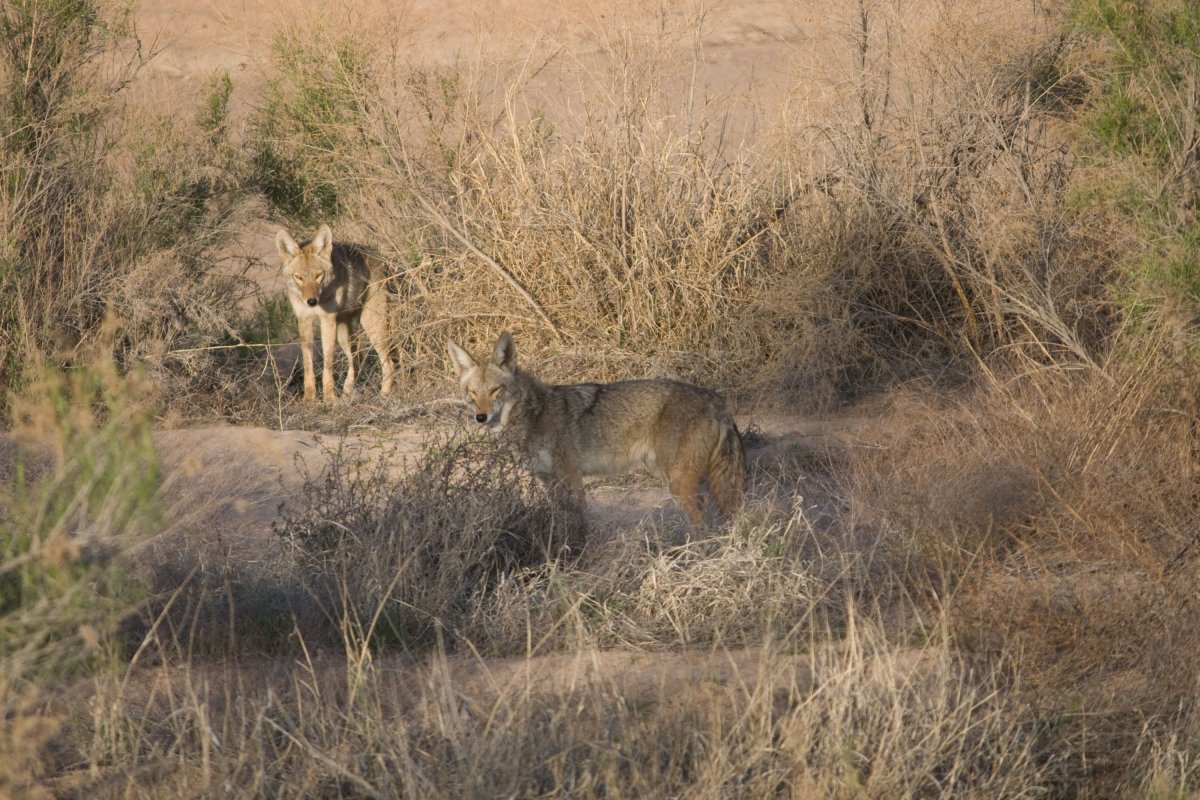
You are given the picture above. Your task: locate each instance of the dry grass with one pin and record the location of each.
(861, 716)
(1054, 521)
(806, 689)
(110, 211)
(406, 558)
(623, 238)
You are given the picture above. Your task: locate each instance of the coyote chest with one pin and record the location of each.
(540, 461)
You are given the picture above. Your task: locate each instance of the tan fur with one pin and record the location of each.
(676, 430)
(336, 285)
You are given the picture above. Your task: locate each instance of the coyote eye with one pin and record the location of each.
(318, 277)
(496, 392)
(299, 278)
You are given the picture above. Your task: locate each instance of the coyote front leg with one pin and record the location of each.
(306, 355)
(328, 343)
(346, 341)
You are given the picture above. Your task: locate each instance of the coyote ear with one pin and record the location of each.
(505, 354)
(286, 244)
(460, 358)
(322, 243)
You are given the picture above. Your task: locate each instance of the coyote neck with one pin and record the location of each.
(522, 421)
(531, 396)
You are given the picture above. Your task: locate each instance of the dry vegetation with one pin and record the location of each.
(992, 236)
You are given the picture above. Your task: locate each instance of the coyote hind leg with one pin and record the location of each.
(684, 485)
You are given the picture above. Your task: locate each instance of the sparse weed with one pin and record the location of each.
(406, 549)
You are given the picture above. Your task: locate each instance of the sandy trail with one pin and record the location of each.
(730, 45)
(224, 484)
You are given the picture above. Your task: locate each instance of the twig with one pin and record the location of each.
(466, 242)
(428, 404)
(370, 790)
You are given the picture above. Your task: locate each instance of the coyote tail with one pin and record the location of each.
(727, 470)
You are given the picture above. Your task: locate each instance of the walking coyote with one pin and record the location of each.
(336, 284)
(678, 431)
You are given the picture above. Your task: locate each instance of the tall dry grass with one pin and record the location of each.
(111, 209)
(760, 661)
(913, 229)
(405, 551)
(1053, 520)
(862, 716)
(455, 660)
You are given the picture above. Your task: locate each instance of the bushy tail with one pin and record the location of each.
(727, 470)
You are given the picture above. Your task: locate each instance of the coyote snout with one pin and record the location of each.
(679, 431)
(309, 282)
(338, 285)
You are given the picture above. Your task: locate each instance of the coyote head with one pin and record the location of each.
(309, 266)
(486, 388)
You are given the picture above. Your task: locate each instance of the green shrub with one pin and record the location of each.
(109, 207)
(310, 123)
(1140, 130)
(84, 493)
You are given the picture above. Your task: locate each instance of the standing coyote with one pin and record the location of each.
(336, 284)
(678, 431)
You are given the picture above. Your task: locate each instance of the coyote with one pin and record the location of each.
(681, 432)
(336, 284)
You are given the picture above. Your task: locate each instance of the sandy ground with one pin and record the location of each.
(736, 43)
(224, 484)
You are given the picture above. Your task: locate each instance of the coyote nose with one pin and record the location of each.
(481, 418)
(312, 301)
